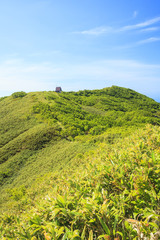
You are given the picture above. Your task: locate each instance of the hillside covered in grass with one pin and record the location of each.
(77, 165)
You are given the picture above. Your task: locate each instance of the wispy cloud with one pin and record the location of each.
(141, 25)
(149, 40)
(138, 43)
(96, 31)
(45, 53)
(135, 13)
(18, 75)
(150, 29)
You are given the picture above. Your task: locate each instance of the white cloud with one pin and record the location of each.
(141, 25)
(141, 42)
(17, 75)
(150, 29)
(45, 53)
(135, 13)
(149, 40)
(95, 31)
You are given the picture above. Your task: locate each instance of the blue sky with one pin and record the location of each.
(80, 44)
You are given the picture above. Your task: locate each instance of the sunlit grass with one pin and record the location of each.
(99, 196)
(79, 165)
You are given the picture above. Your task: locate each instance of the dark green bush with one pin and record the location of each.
(19, 94)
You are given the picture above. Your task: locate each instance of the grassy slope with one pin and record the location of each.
(38, 140)
(99, 194)
(29, 147)
(37, 130)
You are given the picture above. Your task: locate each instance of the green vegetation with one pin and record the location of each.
(80, 165)
(19, 94)
(93, 112)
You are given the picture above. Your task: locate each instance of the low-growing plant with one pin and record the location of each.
(19, 94)
(112, 194)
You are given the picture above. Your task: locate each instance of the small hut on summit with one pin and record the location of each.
(58, 89)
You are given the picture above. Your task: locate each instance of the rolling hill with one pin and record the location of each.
(81, 153)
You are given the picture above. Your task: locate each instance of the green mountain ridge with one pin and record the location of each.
(47, 141)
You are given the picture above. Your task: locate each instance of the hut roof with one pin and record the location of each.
(58, 89)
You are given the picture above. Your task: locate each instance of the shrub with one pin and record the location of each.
(19, 94)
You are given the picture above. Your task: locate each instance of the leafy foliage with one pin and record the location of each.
(93, 112)
(111, 190)
(19, 94)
